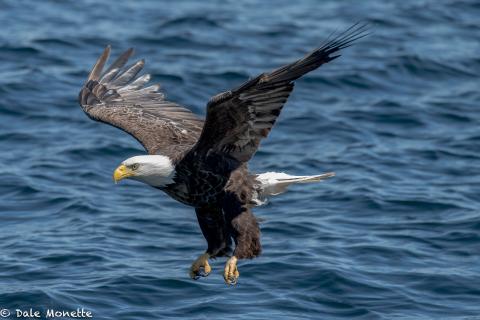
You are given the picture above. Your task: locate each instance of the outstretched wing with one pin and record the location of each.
(237, 120)
(120, 98)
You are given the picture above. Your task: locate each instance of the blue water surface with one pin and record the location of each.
(395, 235)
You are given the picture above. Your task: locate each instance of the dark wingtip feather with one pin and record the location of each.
(98, 67)
(330, 58)
(346, 38)
(334, 43)
(121, 60)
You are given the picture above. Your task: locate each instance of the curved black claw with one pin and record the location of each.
(201, 273)
(232, 281)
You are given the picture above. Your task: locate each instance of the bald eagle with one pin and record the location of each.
(203, 163)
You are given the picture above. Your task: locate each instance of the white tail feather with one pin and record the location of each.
(274, 183)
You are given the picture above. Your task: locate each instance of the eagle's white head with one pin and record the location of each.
(154, 170)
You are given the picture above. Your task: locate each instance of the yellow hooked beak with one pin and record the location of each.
(122, 172)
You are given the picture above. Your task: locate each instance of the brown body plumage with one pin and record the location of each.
(209, 157)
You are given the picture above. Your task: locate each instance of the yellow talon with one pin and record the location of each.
(231, 273)
(197, 265)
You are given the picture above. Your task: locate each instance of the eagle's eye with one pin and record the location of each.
(135, 166)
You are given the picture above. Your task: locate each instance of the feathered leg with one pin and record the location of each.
(246, 233)
(214, 229)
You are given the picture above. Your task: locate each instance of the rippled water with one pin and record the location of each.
(394, 235)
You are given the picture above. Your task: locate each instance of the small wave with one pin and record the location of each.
(17, 137)
(427, 67)
(56, 42)
(189, 21)
(225, 75)
(160, 77)
(177, 41)
(18, 51)
(79, 207)
(390, 117)
(76, 259)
